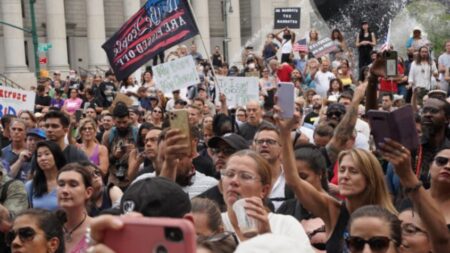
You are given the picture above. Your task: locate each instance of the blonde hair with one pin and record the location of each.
(86, 121)
(376, 191)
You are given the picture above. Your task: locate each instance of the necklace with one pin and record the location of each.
(68, 234)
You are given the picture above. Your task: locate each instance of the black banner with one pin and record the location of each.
(287, 17)
(158, 25)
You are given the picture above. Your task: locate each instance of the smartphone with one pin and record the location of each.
(391, 63)
(285, 99)
(398, 125)
(78, 115)
(155, 235)
(179, 119)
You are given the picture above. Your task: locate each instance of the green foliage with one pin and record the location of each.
(435, 18)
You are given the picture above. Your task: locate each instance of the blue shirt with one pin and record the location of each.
(8, 155)
(48, 201)
(300, 64)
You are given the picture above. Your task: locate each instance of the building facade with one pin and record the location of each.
(76, 29)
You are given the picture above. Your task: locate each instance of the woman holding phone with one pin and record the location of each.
(74, 191)
(247, 176)
(361, 182)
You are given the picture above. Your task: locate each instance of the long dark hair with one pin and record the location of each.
(311, 154)
(140, 141)
(361, 31)
(50, 222)
(419, 58)
(39, 180)
(340, 38)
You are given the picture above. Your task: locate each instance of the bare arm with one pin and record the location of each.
(104, 159)
(223, 104)
(321, 205)
(344, 130)
(424, 204)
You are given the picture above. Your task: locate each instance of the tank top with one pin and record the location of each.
(346, 81)
(95, 157)
(336, 242)
(106, 202)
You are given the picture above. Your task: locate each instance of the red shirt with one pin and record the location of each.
(284, 72)
(387, 85)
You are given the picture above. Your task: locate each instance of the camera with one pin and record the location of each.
(121, 170)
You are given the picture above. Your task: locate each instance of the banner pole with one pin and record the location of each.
(204, 47)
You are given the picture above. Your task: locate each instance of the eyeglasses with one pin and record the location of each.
(376, 243)
(338, 114)
(242, 175)
(410, 229)
(269, 142)
(25, 234)
(225, 151)
(441, 161)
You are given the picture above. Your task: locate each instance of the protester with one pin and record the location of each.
(37, 231)
(97, 153)
(41, 190)
(365, 41)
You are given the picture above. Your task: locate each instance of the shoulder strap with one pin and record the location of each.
(5, 190)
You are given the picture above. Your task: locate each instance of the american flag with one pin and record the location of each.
(301, 46)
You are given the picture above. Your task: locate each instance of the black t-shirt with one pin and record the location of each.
(248, 131)
(107, 90)
(42, 100)
(309, 118)
(204, 165)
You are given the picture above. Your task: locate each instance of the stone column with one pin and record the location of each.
(96, 34)
(130, 7)
(201, 11)
(262, 21)
(13, 38)
(56, 35)
(234, 33)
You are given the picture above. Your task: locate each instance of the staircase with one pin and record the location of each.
(5, 81)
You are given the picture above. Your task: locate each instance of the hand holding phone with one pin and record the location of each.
(285, 100)
(391, 63)
(179, 119)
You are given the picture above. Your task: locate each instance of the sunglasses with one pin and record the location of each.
(441, 161)
(25, 234)
(338, 114)
(376, 243)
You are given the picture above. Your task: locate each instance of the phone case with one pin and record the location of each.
(285, 99)
(398, 125)
(179, 119)
(156, 235)
(391, 64)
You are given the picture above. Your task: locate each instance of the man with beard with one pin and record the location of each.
(120, 141)
(56, 128)
(175, 163)
(311, 117)
(435, 120)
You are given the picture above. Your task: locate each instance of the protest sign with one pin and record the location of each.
(238, 90)
(175, 75)
(287, 17)
(322, 47)
(12, 100)
(157, 26)
(120, 98)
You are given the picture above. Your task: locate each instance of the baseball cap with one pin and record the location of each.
(156, 197)
(271, 243)
(40, 133)
(235, 141)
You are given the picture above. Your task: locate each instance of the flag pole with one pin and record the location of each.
(204, 47)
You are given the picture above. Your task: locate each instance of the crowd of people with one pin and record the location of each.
(314, 183)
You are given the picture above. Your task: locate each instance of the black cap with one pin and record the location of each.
(235, 141)
(336, 107)
(156, 197)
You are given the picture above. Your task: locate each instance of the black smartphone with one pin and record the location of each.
(391, 58)
(78, 115)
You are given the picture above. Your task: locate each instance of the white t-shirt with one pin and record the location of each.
(280, 224)
(133, 89)
(278, 190)
(420, 75)
(286, 47)
(322, 81)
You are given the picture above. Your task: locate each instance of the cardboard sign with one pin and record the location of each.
(238, 90)
(322, 47)
(287, 17)
(12, 100)
(157, 26)
(175, 75)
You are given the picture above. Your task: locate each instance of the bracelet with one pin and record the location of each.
(413, 189)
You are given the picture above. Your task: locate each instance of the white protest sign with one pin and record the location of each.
(175, 75)
(12, 100)
(239, 90)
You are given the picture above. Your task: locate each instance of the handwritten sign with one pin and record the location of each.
(175, 75)
(322, 47)
(12, 100)
(287, 17)
(239, 90)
